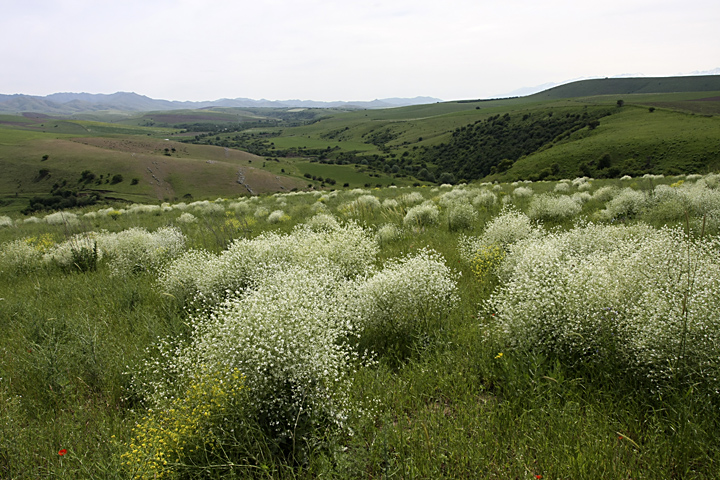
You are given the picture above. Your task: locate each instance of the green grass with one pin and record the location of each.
(670, 140)
(638, 142)
(452, 408)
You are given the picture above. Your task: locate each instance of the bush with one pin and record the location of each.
(421, 216)
(505, 229)
(628, 300)
(553, 208)
(461, 216)
(400, 303)
(286, 338)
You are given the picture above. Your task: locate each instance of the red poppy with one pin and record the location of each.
(62, 452)
(538, 476)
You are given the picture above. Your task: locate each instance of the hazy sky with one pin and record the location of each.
(344, 49)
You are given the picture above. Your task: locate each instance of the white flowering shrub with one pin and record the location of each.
(286, 339)
(277, 216)
(411, 198)
(581, 197)
(522, 192)
(423, 215)
(62, 218)
(562, 187)
(402, 301)
(626, 204)
(584, 187)
(261, 212)
(349, 248)
(362, 206)
(635, 299)
(135, 250)
(322, 222)
(555, 208)
(455, 196)
(484, 199)
(187, 217)
(603, 194)
(388, 233)
(80, 252)
(461, 216)
(505, 229)
(205, 208)
(6, 221)
(390, 203)
(580, 181)
(154, 209)
(20, 256)
(319, 207)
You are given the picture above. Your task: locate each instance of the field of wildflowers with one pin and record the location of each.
(529, 330)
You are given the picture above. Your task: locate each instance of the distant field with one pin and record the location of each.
(358, 148)
(636, 141)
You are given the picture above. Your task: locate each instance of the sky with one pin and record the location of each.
(344, 49)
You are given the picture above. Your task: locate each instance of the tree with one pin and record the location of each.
(117, 178)
(446, 177)
(620, 103)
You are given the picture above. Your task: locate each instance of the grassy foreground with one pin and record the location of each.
(120, 347)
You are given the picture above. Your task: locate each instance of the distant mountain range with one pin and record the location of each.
(72, 103)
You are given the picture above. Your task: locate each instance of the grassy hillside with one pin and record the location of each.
(604, 128)
(39, 164)
(423, 142)
(626, 86)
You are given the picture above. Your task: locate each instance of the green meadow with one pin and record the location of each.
(512, 330)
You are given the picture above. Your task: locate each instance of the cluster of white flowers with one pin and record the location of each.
(455, 196)
(423, 215)
(484, 198)
(277, 216)
(503, 230)
(580, 181)
(62, 218)
(461, 215)
(322, 222)
(289, 332)
(626, 204)
(405, 295)
(411, 198)
(603, 194)
(388, 233)
(361, 206)
(135, 249)
(68, 253)
(19, 256)
(636, 297)
(549, 207)
(522, 192)
(187, 217)
(6, 221)
(350, 248)
(562, 187)
(287, 340)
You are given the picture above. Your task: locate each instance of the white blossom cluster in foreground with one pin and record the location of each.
(636, 297)
(288, 313)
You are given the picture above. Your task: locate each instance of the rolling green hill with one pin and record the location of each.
(602, 128)
(627, 86)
